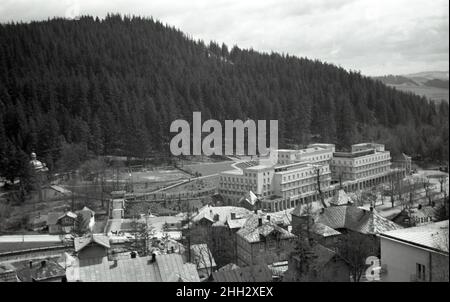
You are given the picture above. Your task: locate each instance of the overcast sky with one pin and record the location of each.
(376, 37)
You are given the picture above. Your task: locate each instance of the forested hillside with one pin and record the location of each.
(113, 86)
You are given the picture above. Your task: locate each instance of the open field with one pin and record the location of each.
(160, 175)
(209, 168)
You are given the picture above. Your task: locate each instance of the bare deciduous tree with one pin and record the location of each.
(354, 248)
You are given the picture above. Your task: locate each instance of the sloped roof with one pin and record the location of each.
(323, 230)
(54, 217)
(224, 214)
(40, 270)
(252, 232)
(433, 235)
(139, 269)
(340, 198)
(255, 273)
(81, 242)
(356, 219)
(202, 256)
(172, 267)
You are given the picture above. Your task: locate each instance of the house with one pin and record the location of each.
(202, 257)
(216, 226)
(319, 264)
(92, 246)
(418, 254)
(416, 216)
(261, 241)
(61, 223)
(130, 267)
(252, 273)
(331, 224)
(65, 223)
(41, 271)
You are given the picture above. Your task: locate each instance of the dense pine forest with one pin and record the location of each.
(113, 86)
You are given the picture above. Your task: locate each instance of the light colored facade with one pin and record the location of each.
(366, 165)
(296, 183)
(314, 153)
(284, 185)
(417, 254)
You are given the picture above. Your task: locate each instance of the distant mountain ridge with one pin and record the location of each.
(434, 85)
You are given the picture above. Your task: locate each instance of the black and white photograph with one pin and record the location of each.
(206, 143)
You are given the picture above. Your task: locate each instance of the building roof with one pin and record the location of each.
(40, 271)
(166, 268)
(172, 269)
(340, 198)
(139, 269)
(54, 217)
(255, 273)
(323, 230)
(202, 256)
(425, 212)
(252, 231)
(431, 236)
(82, 242)
(223, 214)
(356, 219)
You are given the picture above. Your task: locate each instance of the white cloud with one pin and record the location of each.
(376, 37)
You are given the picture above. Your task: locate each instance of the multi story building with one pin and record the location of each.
(291, 181)
(366, 165)
(315, 153)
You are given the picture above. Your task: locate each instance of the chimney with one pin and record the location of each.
(133, 255)
(268, 217)
(259, 221)
(43, 263)
(31, 264)
(172, 249)
(233, 215)
(419, 207)
(216, 217)
(153, 258)
(371, 208)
